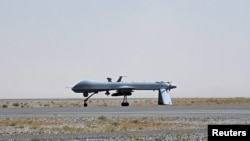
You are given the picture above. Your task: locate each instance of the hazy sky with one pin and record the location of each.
(201, 46)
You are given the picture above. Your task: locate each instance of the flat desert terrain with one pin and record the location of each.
(105, 119)
(134, 102)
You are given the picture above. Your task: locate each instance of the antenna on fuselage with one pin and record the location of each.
(109, 79)
(120, 78)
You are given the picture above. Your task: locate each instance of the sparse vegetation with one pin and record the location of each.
(13, 124)
(5, 106)
(35, 139)
(133, 126)
(116, 123)
(106, 124)
(135, 121)
(105, 104)
(67, 128)
(103, 124)
(133, 102)
(110, 129)
(46, 105)
(210, 101)
(102, 118)
(179, 135)
(125, 127)
(16, 104)
(137, 136)
(21, 126)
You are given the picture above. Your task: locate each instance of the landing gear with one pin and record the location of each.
(85, 94)
(107, 92)
(85, 100)
(125, 102)
(85, 104)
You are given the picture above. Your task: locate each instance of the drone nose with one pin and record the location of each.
(75, 89)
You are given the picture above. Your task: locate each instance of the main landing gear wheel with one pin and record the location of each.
(125, 102)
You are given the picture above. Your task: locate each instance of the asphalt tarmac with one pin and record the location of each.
(196, 117)
(124, 112)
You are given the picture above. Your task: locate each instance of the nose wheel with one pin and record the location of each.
(85, 100)
(85, 104)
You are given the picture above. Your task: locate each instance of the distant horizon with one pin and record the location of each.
(116, 98)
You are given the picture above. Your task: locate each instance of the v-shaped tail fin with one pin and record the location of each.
(164, 97)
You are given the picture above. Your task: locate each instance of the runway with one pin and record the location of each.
(126, 112)
(118, 123)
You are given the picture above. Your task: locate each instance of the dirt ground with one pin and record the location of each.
(26, 103)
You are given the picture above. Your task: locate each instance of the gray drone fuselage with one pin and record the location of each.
(97, 86)
(124, 89)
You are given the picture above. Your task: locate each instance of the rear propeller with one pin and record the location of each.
(170, 86)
